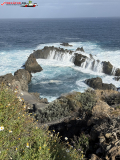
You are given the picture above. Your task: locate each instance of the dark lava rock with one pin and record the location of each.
(107, 67)
(6, 78)
(79, 59)
(117, 72)
(31, 64)
(45, 52)
(66, 44)
(96, 83)
(80, 49)
(117, 78)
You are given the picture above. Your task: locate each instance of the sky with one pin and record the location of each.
(62, 9)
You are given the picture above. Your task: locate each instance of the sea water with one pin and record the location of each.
(99, 37)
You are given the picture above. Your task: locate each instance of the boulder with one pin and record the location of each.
(79, 59)
(107, 67)
(80, 49)
(117, 72)
(96, 83)
(31, 65)
(117, 78)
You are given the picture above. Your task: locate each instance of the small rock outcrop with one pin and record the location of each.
(96, 83)
(79, 59)
(31, 65)
(80, 49)
(66, 44)
(117, 72)
(117, 78)
(46, 52)
(107, 67)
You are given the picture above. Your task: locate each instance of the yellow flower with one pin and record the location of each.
(39, 147)
(1, 128)
(16, 149)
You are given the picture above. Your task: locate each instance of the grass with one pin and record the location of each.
(21, 139)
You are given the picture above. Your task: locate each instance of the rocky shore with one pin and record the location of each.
(96, 113)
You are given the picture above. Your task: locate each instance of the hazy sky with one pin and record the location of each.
(62, 9)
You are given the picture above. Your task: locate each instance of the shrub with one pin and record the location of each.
(20, 137)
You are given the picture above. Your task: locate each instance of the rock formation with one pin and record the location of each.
(80, 49)
(96, 83)
(31, 65)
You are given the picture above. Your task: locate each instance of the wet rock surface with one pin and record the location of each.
(107, 67)
(80, 49)
(96, 83)
(79, 59)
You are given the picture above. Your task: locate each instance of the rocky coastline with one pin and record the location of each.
(96, 113)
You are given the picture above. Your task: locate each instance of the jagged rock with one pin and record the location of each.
(23, 74)
(117, 72)
(107, 67)
(24, 77)
(116, 78)
(80, 49)
(96, 83)
(6, 78)
(31, 64)
(79, 59)
(45, 52)
(66, 44)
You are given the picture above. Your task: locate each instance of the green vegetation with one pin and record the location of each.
(88, 100)
(20, 137)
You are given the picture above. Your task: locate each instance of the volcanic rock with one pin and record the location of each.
(117, 78)
(117, 72)
(80, 49)
(79, 59)
(45, 52)
(31, 64)
(107, 67)
(6, 78)
(96, 83)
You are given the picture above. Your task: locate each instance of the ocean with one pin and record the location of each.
(98, 36)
